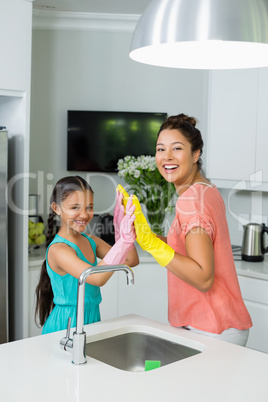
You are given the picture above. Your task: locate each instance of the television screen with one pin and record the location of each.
(97, 139)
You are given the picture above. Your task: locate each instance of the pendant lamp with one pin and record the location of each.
(202, 34)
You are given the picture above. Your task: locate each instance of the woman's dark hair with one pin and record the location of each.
(186, 125)
(44, 294)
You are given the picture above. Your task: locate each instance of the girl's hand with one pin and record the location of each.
(118, 253)
(127, 230)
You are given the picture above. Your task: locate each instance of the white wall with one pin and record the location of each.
(251, 206)
(82, 68)
(91, 69)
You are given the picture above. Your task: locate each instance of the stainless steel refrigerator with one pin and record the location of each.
(3, 239)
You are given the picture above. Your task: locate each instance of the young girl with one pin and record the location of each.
(203, 289)
(71, 251)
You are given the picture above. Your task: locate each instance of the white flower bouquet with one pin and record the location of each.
(152, 190)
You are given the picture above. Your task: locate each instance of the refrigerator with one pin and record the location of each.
(3, 238)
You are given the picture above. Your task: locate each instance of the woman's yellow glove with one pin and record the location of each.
(148, 241)
(125, 194)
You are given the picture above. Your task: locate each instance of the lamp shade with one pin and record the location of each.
(202, 34)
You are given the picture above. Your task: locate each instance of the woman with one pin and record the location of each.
(203, 289)
(71, 251)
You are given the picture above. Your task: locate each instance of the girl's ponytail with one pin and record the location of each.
(43, 293)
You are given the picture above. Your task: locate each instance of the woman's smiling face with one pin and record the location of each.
(174, 157)
(76, 211)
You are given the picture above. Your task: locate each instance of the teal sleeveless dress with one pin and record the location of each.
(65, 294)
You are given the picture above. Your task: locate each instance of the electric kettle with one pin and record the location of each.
(253, 248)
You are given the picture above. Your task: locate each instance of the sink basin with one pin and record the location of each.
(129, 351)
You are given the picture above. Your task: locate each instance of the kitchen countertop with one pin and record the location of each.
(258, 270)
(37, 369)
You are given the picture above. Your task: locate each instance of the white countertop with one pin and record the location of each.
(37, 369)
(258, 270)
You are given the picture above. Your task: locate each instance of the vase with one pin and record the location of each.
(156, 220)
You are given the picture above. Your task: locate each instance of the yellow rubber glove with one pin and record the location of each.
(148, 241)
(125, 194)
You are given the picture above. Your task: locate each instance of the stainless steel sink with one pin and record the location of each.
(129, 351)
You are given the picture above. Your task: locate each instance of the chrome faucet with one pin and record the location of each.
(78, 343)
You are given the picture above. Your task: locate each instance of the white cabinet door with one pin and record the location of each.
(258, 334)
(15, 33)
(232, 117)
(108, 306)
(255, 295)
(262, 127)
(148, 297)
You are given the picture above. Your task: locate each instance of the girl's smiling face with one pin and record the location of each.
(76, 211)
(174, 158)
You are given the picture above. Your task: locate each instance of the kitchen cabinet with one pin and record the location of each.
(255, 296)
(16, 22)
(109, 293)
(148, 297)
(262, 125)
(237, 124)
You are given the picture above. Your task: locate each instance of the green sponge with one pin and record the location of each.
(152, 364)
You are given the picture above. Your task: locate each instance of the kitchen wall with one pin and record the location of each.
(90, 69)
(243, 207)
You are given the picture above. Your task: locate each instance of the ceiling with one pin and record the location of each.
(93, 6)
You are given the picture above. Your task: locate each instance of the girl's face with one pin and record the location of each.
(174, 158)
(76, 211)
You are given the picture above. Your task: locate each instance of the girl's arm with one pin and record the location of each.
(102, 249)
(64, 260)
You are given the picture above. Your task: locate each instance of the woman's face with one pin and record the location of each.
(174, 158)
(76, 211)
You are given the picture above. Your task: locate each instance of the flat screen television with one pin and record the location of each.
(97, 139)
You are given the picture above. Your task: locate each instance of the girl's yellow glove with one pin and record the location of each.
(148, 241)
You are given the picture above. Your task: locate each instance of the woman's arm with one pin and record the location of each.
(197, 269)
